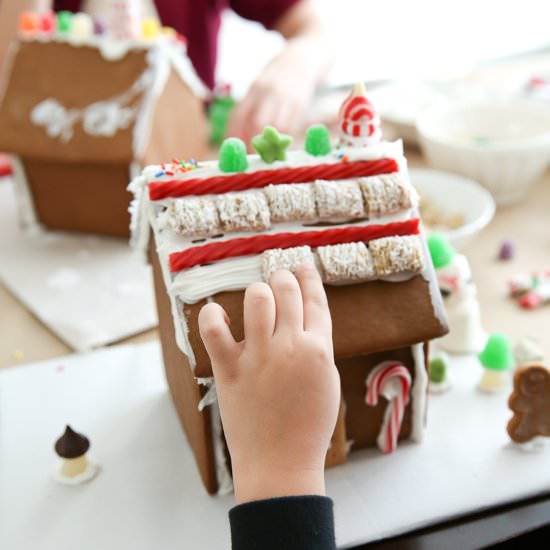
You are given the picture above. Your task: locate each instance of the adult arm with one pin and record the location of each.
(283, 90)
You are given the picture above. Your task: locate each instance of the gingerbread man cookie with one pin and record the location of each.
(530, 402)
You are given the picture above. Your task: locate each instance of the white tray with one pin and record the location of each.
(89, 290)
(148, 494)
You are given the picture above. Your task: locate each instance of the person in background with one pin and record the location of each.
(279, 394)
(279, 94)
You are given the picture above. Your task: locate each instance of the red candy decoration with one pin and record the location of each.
(47, 22)
(359, 125)
(245, 246)
(254, 180)
(531, 300)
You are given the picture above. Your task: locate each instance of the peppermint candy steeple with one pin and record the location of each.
(358, 123)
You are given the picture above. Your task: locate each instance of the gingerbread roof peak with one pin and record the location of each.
(55, 106)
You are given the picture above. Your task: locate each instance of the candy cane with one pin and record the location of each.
(392, 380)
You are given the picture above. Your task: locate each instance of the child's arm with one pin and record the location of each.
(279, 394)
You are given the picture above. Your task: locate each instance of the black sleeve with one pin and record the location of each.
(287, 523)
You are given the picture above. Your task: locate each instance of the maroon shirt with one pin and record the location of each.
(199, 22)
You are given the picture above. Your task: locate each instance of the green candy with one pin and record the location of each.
(497, 354)
(441, 250)
(318, 140)
(233, 156)
(438, 370)
(218, 117)
(64, 21)
(271, 145)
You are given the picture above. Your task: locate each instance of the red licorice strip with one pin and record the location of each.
(253, 180)
(257, 244)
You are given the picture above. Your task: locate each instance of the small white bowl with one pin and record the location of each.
(505, 145)
(454, 194)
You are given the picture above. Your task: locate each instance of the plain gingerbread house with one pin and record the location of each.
(83, 117)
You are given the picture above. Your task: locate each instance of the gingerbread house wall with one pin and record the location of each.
(363, 422)
(82, 197)
(367, 317)
(186, 393)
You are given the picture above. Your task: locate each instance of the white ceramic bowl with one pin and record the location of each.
(456, 195)
(503, 145)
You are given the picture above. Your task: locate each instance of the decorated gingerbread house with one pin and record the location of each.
(86, 106)
(212, 229)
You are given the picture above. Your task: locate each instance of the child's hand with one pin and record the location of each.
(278, 389)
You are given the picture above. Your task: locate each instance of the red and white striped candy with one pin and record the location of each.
(392, 380)
(359, 124)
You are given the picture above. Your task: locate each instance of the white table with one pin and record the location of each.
(148, 494)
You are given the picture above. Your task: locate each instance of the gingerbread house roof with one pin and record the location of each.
(352, 212)
(89, 100)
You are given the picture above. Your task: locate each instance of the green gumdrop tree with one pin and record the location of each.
(318, 140)
(233, 156)
(438, 370)
(497, 354)
(441, 250)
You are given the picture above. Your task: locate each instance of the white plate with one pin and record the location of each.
(456, 195)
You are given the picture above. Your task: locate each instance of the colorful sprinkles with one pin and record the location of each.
(177, 166)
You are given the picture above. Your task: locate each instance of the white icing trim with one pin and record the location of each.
(225, 481)
(23, 198)
(430, 277)
(419, 393)
(113, 49)
(210, 396)
(200, 282)
(102, 118)
(295, 159)
(91, 471)
(139, 222)
(176, 306)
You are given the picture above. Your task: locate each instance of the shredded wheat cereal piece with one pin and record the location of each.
(290, 202)
(397, 254)
(243, 211)
(194, 217)
(287, 258)
(346, 262)
(338, 199)
(387, 194)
